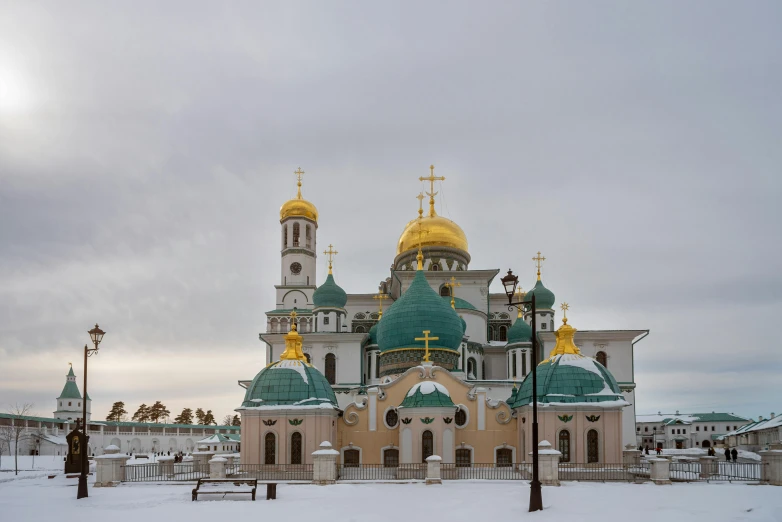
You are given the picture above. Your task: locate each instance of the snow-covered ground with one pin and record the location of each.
(33, 497)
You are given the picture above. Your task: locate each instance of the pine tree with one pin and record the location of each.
(186, 417)
(158, 411)
(209, 418)
(142, 414)
(200, 416)
(236, 421)
(117, 412)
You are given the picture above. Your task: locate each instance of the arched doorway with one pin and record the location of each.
(270, 449)
(602, 358)
(705, 444)
(296, 448)
(564, 445)
(427, 445)
(593, 449)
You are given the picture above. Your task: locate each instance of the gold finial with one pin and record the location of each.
(380, 296)
(538, 260)
(420, 256)
(564, 336)
(426, 340)
(452, 285)
(293, 343)
(431, 179)
(520, 295)
(331, 253)
(420, 198)
(298, 173)
(565, 307)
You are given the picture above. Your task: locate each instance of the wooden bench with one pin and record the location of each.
(224, 487)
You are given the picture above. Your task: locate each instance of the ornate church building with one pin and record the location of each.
(431, 363)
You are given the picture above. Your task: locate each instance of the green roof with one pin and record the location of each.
(569, 378)
(70, 391)
(520, 332)
(289, 383)
(126, 424)
(544, 298)
(420, 308)
(427, 394)
(717, 417)
(460, 303)
(287, 311)
(330, 295)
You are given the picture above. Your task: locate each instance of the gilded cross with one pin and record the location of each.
(520, 295)
(380, 296)
(420, 257)
(426, 340)
(299, 173)
(539, 260)
(565, 307)
(420, 198)
(331, 253)
(431, 179)
(452, 285)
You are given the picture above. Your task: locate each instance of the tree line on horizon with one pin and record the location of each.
(158, 412)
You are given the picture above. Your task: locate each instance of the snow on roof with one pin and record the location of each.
(670, 418)
(428, 387)
(764, 424)
(579, 361)
(297, 366)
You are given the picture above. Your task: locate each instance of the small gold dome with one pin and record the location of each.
(439, 232)
(298, 207)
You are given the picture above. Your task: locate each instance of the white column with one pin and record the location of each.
(216, 467)
(548, 464)
(372, 394)
(481, 398)
(324, 464)
(660, 471)
(433, 470)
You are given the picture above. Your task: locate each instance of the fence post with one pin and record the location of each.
(217, 468)
(548, 464)
(709, 467)
(772, 467)
(631, 456)
(660, 472)
(433, 470)
(166, 466)
(324, 464)
(201, 460)
(109, 467)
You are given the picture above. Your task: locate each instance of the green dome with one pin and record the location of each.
(464, 325)
(544, 298)
(520, 332)
(330, 295)
(420, 308)
(460, 303)
(428, 394)
(289, 383)
(373, 335)
(569, 378)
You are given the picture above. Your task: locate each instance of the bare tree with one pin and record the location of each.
(16, 433)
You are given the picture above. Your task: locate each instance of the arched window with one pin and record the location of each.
(460, 417)
(513, 365)
(296, 448)
(427, 445)
(445, 291)
(284, 325)
(369, 366)
(352, 458)
(483, 369)
(504, 457)
(564, 445)
(308, 357)
(296, 234)
(503, 315)
(274, 325)
(391, 458)
(359, 316)
(593, 451)
(270, 449)
(374, 315)
(308, 237)
(602, 358)
(331, 368)
(463, 457)
(471, 368)
(360, 329)
(491, 333)
(523, 364)
(284, 236)
(434, 267)
(503, 333)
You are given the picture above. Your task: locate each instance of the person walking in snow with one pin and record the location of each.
(727, 454)
(734, 454)
(647, 449)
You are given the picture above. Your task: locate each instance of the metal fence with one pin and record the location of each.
(683, 471)
(154, 473)
(490, 471)
(603, 472)
(381, 472)
(281, 472)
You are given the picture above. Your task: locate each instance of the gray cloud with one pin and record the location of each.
(140, 183)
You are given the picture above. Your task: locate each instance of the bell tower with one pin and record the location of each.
(298, 241)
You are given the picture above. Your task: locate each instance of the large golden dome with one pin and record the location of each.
(298, 206)
(439, 231)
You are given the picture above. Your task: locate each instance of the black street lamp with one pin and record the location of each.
(96, 334)
(510, 282)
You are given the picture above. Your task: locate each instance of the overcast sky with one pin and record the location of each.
(146, 147)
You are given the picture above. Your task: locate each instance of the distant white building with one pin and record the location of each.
(682, 431)
(762, 434)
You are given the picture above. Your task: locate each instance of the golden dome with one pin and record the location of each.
(439, 232)
(298, 206)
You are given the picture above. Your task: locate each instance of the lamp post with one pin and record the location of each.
(96, 334)
(510, 282)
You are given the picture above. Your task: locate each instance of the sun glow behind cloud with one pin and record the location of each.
(15, 95)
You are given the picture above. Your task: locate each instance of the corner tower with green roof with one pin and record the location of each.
(69, 403)
(329, 300)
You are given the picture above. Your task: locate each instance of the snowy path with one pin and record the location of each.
(41, 499)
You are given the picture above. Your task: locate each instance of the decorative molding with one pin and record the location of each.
(295, 422)
(270, 422)
(407, 420)
(593, 418)
(447, 420)
(427, 420)
(565, 418)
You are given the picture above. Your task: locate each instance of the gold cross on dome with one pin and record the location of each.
(452, 285)
(426, 340)
(420, 198)
(539, 261)
(380, 296)
(331, 253)
(420, 257)
(431, 179)
(298, 173)
(520, 295)
(565, 307)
